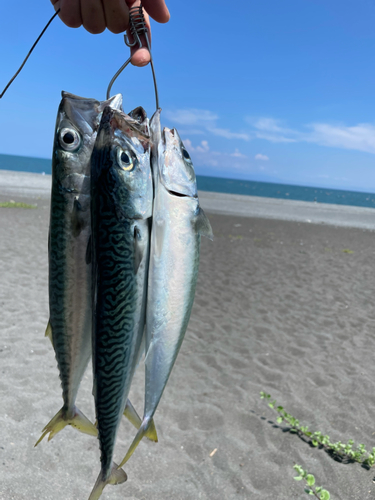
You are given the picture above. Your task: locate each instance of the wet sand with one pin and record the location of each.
(280, 307)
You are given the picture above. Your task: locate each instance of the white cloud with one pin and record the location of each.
(359, 137)
(274, 137)
(188, 145)
(191, 116)
(270, 125)
(202, 121)
(203, 147)
(191, 131)
(211, 162)
(202, 156)
(237, 154)
(271, 130)
(261, 157)
(223, 132)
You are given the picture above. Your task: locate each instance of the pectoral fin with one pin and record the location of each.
(88, 252)
(139, 249)
(203, 225)
(49, 332)
(76, 218)
(159, 226)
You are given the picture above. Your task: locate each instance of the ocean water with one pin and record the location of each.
(233, 186)
(286, 191)
(25, 164)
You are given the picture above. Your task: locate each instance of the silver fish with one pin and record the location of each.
(69, 327)
(76, 128)
(121, 208)
(178, 223)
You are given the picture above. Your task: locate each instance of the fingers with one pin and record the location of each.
(96, 15)
(140, 57)
(116, 15)
(157, 10)
(56, 4)
(70, 12)
(93, 18)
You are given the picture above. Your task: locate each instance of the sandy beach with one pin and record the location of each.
(284, 304)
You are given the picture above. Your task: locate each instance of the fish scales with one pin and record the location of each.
(69, 274)
(114, 243)
(178, 223)
(70, 297)
(121, 206)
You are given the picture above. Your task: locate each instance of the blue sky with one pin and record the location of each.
(270, 90)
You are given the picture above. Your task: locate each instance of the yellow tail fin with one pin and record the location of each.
(118, 476)
(138, 438)
(60, 420)
(151, 432)
(133, 417)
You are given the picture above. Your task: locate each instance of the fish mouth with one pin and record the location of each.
(174, 193)
(171, 141)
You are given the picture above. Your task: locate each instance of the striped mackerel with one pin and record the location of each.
(69, 326)
(121, 208)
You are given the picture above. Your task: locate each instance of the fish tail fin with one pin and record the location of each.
(151, 433)
(49, 332)
(131, 414)
(138, 438)
(117, 476)
(61, 420)
(83, 424)
(133, 417)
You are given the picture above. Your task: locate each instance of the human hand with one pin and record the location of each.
(97, 15)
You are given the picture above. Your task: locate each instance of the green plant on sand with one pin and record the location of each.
(14, 204)
(311, 489)
(340, 451)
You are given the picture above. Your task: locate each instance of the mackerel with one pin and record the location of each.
(69, 326)
(178, 223)
(121, 208)
(69, 262)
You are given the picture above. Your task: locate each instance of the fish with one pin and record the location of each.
(177, 226)
(121, 210)
(69, 327)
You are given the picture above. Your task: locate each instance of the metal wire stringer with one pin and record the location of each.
(28, 55)
(137, 28)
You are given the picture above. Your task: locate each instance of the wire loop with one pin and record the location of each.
(137, 29)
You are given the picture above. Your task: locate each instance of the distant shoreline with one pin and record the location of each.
(263, 187)
(27, 185)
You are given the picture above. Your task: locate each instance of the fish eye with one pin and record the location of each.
(69, 139)
(124, 159)
(186, 154)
